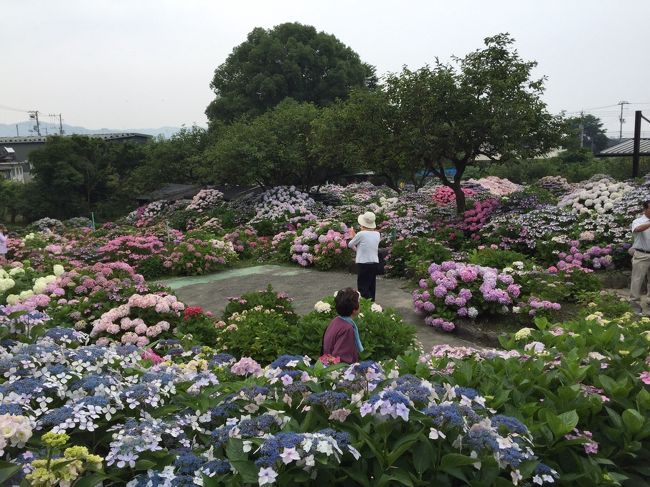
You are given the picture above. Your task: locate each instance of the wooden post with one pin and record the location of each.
(637, 144)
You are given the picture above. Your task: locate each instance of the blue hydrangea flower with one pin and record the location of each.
(282, 361)
(513, 425)
(329, 399)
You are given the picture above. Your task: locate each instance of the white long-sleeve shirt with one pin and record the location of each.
(366, 244)
(3, 244)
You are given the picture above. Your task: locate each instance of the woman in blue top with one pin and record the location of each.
(366, 245)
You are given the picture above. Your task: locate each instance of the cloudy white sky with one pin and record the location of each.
(148, 63)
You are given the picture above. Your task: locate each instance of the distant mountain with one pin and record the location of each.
(9, 130)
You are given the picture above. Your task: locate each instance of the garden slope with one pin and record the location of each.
(306, 286)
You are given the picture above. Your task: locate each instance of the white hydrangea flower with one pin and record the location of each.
(322, 307)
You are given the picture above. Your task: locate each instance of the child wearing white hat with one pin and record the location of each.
(366, 245)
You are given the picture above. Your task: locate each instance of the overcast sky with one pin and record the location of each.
(148, 63)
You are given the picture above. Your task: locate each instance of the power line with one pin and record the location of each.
(13, 109)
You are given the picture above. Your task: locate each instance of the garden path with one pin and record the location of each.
(306, 286)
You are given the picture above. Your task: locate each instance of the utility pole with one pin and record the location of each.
(637, 143)
(33, 115)
(621, 119)
(17, 134)
(61, 132)
(582, 129)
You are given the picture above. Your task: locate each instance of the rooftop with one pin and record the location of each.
(626, 148)
(30, 139)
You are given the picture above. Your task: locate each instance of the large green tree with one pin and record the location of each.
(290, 60)
(73, 175)
(15, 200)
(585, 131)
(178, 159)
(273, 149)
(483, 104)
(369, 131)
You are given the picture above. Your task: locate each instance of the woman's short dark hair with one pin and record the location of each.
(346, 301)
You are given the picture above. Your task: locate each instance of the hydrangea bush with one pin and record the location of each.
(457, 290)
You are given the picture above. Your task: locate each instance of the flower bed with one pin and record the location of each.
(600, 196)
(456, 290)
(159, 421)
(323, 245)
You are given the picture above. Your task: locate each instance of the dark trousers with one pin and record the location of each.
(367, 280)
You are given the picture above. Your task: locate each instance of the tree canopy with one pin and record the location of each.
(368, 131)
(72, 175)
(291, 60)
(485, 104)
(590, 128)
(273, 149)
(178, 159)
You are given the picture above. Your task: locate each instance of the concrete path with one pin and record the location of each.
(306, 286)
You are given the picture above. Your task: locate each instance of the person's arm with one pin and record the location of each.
(641, 228)
(345, 345)
(355, 240)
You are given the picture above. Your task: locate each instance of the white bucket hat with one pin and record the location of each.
(367, 220)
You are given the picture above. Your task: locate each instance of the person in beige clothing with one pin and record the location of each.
(641, 257)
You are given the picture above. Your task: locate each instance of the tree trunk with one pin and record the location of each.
(460, 197)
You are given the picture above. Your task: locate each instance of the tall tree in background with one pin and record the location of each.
(175, 160)
(291, 60)
(590, 128)
(369, 131)
(273, 149)
(73, 175)
(485, 104)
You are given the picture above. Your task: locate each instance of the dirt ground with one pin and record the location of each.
(306, 286)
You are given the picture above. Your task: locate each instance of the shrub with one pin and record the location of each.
(245, 242)
(265, 330)
(611, 305)
(411, 257)
(195, 256)
(197, 327)
(267, 299)
(499, 259)
(142, 319)
(382, 332)
(256, 332)
(141, 252)
(323, 245)
(465, 290)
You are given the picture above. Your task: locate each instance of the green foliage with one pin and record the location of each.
(256, 332)
(611, 305)
(382, 333)
(175, 160)
(267, 300)
(369, 131)
(499, 259)
(574, 166)
(589, 128)
(412, 256)
(273, 149)
(262, 327)
(197, 329)
(289, 61)
(15, 200)
(152, 267)
(594, 387)
(265, 228)
(73, 175)
(581, 282)
(487, 105)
